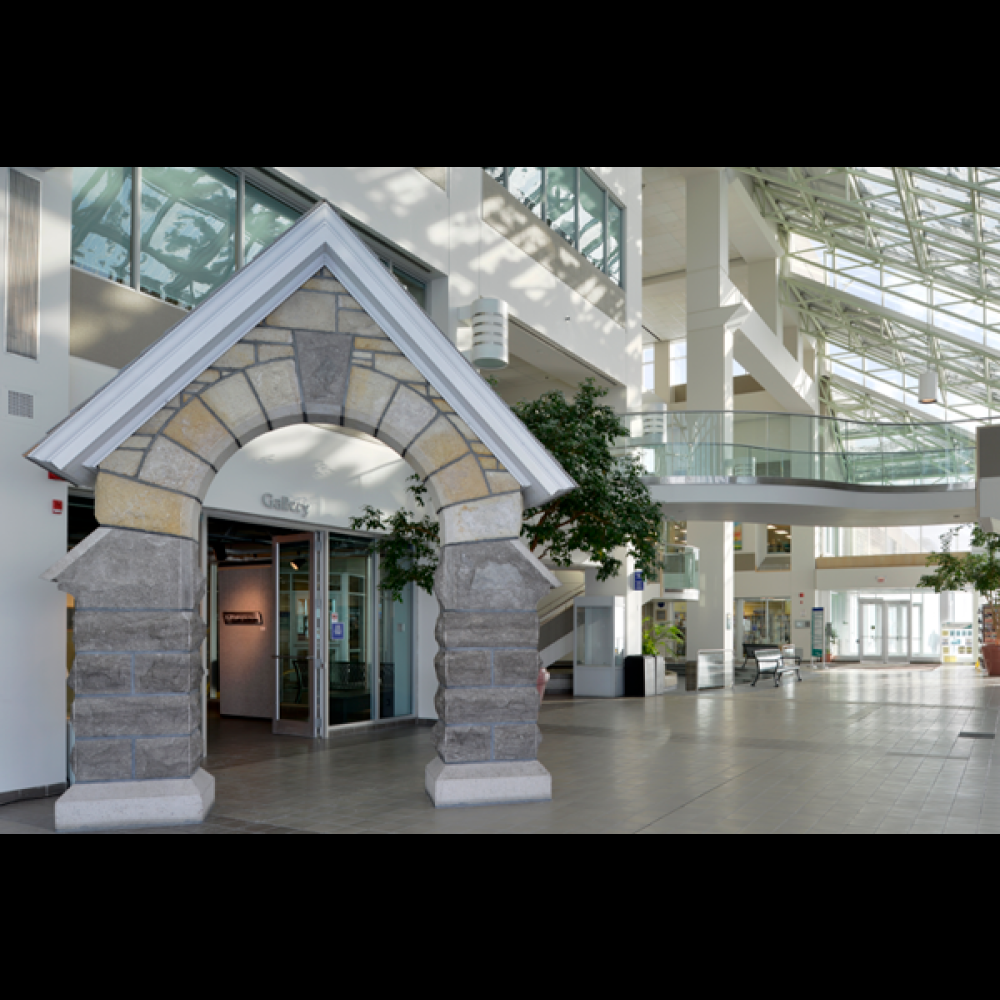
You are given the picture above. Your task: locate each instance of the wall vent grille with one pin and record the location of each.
(23, 264)
(20, 404)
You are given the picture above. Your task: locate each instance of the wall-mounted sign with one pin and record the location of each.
(254, 618)
(285, 505)
(338, 633)
(639, 583)
(819, 633)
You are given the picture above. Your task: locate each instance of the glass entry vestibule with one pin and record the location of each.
(299, 632)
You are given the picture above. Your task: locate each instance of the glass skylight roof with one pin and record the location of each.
(895, 270)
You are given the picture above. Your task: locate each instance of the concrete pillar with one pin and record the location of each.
(138, 679)
(765, 293)
(710, 621)
(487, 738)
(663, 381)
(710, 340)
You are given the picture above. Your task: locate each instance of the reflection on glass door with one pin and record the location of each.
(295, 656)
(350, 633)
(897, 632)
(872, 633)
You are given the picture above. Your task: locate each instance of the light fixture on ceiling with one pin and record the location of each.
(295, 566)
(929, 388)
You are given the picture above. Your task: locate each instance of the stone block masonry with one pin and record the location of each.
(319, 358)
(138, 673)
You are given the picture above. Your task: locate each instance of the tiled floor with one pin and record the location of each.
(847, 752)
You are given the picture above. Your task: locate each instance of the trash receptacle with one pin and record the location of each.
(640, 677)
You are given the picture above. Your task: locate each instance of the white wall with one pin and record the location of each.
(335, 474)
(33, 613)
(446, 232)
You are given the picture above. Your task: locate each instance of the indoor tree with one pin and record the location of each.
(611, 510)
(978, 570)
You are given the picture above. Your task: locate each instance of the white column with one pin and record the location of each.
(710, 621)
(765, 294)
(710, 342)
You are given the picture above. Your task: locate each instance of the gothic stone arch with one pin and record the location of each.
(319, 358)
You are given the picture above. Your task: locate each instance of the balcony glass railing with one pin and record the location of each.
(717, 446)
(680, 568)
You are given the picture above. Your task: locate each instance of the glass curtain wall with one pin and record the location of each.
(575, 205)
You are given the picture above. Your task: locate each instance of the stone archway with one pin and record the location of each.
(318, 358)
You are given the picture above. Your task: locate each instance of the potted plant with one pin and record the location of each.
(832, 644)
(659, 637)
(978, 570)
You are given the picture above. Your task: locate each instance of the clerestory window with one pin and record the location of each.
(575, 205)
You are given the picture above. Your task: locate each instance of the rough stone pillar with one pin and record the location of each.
(488, 738)
(138, 681)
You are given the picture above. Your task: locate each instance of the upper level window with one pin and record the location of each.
(576, 206)
(197, 226)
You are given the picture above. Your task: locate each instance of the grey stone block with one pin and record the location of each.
(517, 668)
(159, 716)
(512, 743)
(491, 576)
(103, 760)
(102, 674)
(463, 745)
(130, 569)
(168, 673)
(468, 668)
(138, 631)
(486, 706)
(174, 758)
(325, 369)
(465, 630)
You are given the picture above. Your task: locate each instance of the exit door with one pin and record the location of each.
(298, 657)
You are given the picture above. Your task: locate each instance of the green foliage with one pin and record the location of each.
(410, 548)
(659, 637)
(979, 570)
(612, 508)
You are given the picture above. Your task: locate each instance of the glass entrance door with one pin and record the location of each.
(297, 657)
(897, 633)
(885, 631)
(872, 633)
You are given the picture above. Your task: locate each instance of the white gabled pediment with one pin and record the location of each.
(76, 448)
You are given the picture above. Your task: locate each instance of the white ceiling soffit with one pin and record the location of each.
(76, 448)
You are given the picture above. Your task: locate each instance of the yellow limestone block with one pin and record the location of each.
(438, 446)
(199, 431)
(459, 483)
(125, 463)
(233, 402)
(123, 503)
(367, 397)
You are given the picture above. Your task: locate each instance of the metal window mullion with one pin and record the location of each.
(577, 242)
(136, 226)
(241, 202)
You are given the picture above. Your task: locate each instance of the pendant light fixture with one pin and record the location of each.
(929, 388)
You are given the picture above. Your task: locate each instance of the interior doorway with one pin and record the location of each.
(300, 636)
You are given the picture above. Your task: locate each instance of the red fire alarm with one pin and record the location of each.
(55, 478)
(58, 507)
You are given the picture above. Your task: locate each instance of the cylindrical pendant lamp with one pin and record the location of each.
(490, 334)
(929, 388)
